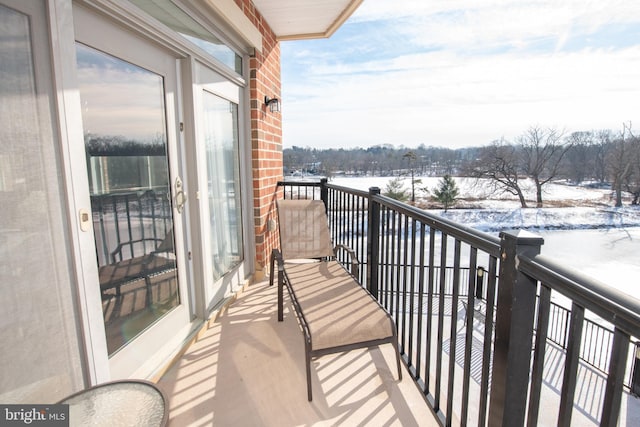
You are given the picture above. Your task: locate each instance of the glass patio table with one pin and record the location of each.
(118, 403)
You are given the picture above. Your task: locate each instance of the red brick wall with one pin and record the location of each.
(266, 135)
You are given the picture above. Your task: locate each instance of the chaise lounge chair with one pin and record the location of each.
(335, 312)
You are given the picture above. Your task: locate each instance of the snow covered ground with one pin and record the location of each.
(590, 235)
(584, 207)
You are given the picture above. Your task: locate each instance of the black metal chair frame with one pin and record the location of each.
(283, 281)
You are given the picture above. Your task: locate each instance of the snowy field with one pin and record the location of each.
(480, 191)
(591, 236)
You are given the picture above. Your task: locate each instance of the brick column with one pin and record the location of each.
(266, 136)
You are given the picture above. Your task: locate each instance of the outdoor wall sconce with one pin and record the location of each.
(479, 281)
(273, 103)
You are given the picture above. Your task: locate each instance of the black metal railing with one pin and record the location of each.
(610, 353)
(478, 365)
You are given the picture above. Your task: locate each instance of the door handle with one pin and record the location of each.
(181, 197)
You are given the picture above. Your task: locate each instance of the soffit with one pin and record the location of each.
(305, 19)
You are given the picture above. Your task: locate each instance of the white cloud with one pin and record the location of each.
(470, 24)
(465, 93)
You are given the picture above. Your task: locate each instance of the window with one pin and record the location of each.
(175, 18)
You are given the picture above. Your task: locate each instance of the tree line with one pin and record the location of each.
(539, 155)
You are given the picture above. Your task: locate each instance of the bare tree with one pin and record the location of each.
(580, 164)
(633, 182)
(620, 161)
(542, 153)
(412, 157)
(499, 163)
(601, 148)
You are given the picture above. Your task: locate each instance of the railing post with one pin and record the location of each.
(324, 193)
(373, 242)
(514, 331)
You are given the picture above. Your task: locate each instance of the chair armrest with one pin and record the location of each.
(355, 263)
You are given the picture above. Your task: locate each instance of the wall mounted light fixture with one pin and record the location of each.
(273, 103)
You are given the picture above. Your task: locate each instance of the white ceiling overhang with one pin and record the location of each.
(305, 19)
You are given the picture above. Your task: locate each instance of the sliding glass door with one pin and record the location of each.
(128, 92)
(218, 151)
(223, 183)
(126, 146)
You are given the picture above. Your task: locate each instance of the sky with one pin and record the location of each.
(459, 73)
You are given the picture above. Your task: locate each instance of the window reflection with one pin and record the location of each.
(123, 115)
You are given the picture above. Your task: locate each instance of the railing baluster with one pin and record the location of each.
(373, 242)
(453, 328)
(332, 214)
(340, 219)
(565, 328)
(571, 365)
(398, 270)
(116, 223)
(392, 263)
(615, 379)
(412, 290)
(141, 224)
(430, 303)
(441, 309)
(468, 345)
(103, 232)
(488, 340)
(387, 260)
(130, 236)
(420, 300)
(403, 282)
(598, 339)
(542, 327)
(350, 224)
(609, 342)
(364, 241)
(152, 204)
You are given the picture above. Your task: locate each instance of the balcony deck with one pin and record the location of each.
(248, 369)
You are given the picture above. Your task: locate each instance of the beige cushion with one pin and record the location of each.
(337, 309)
(304, 231)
